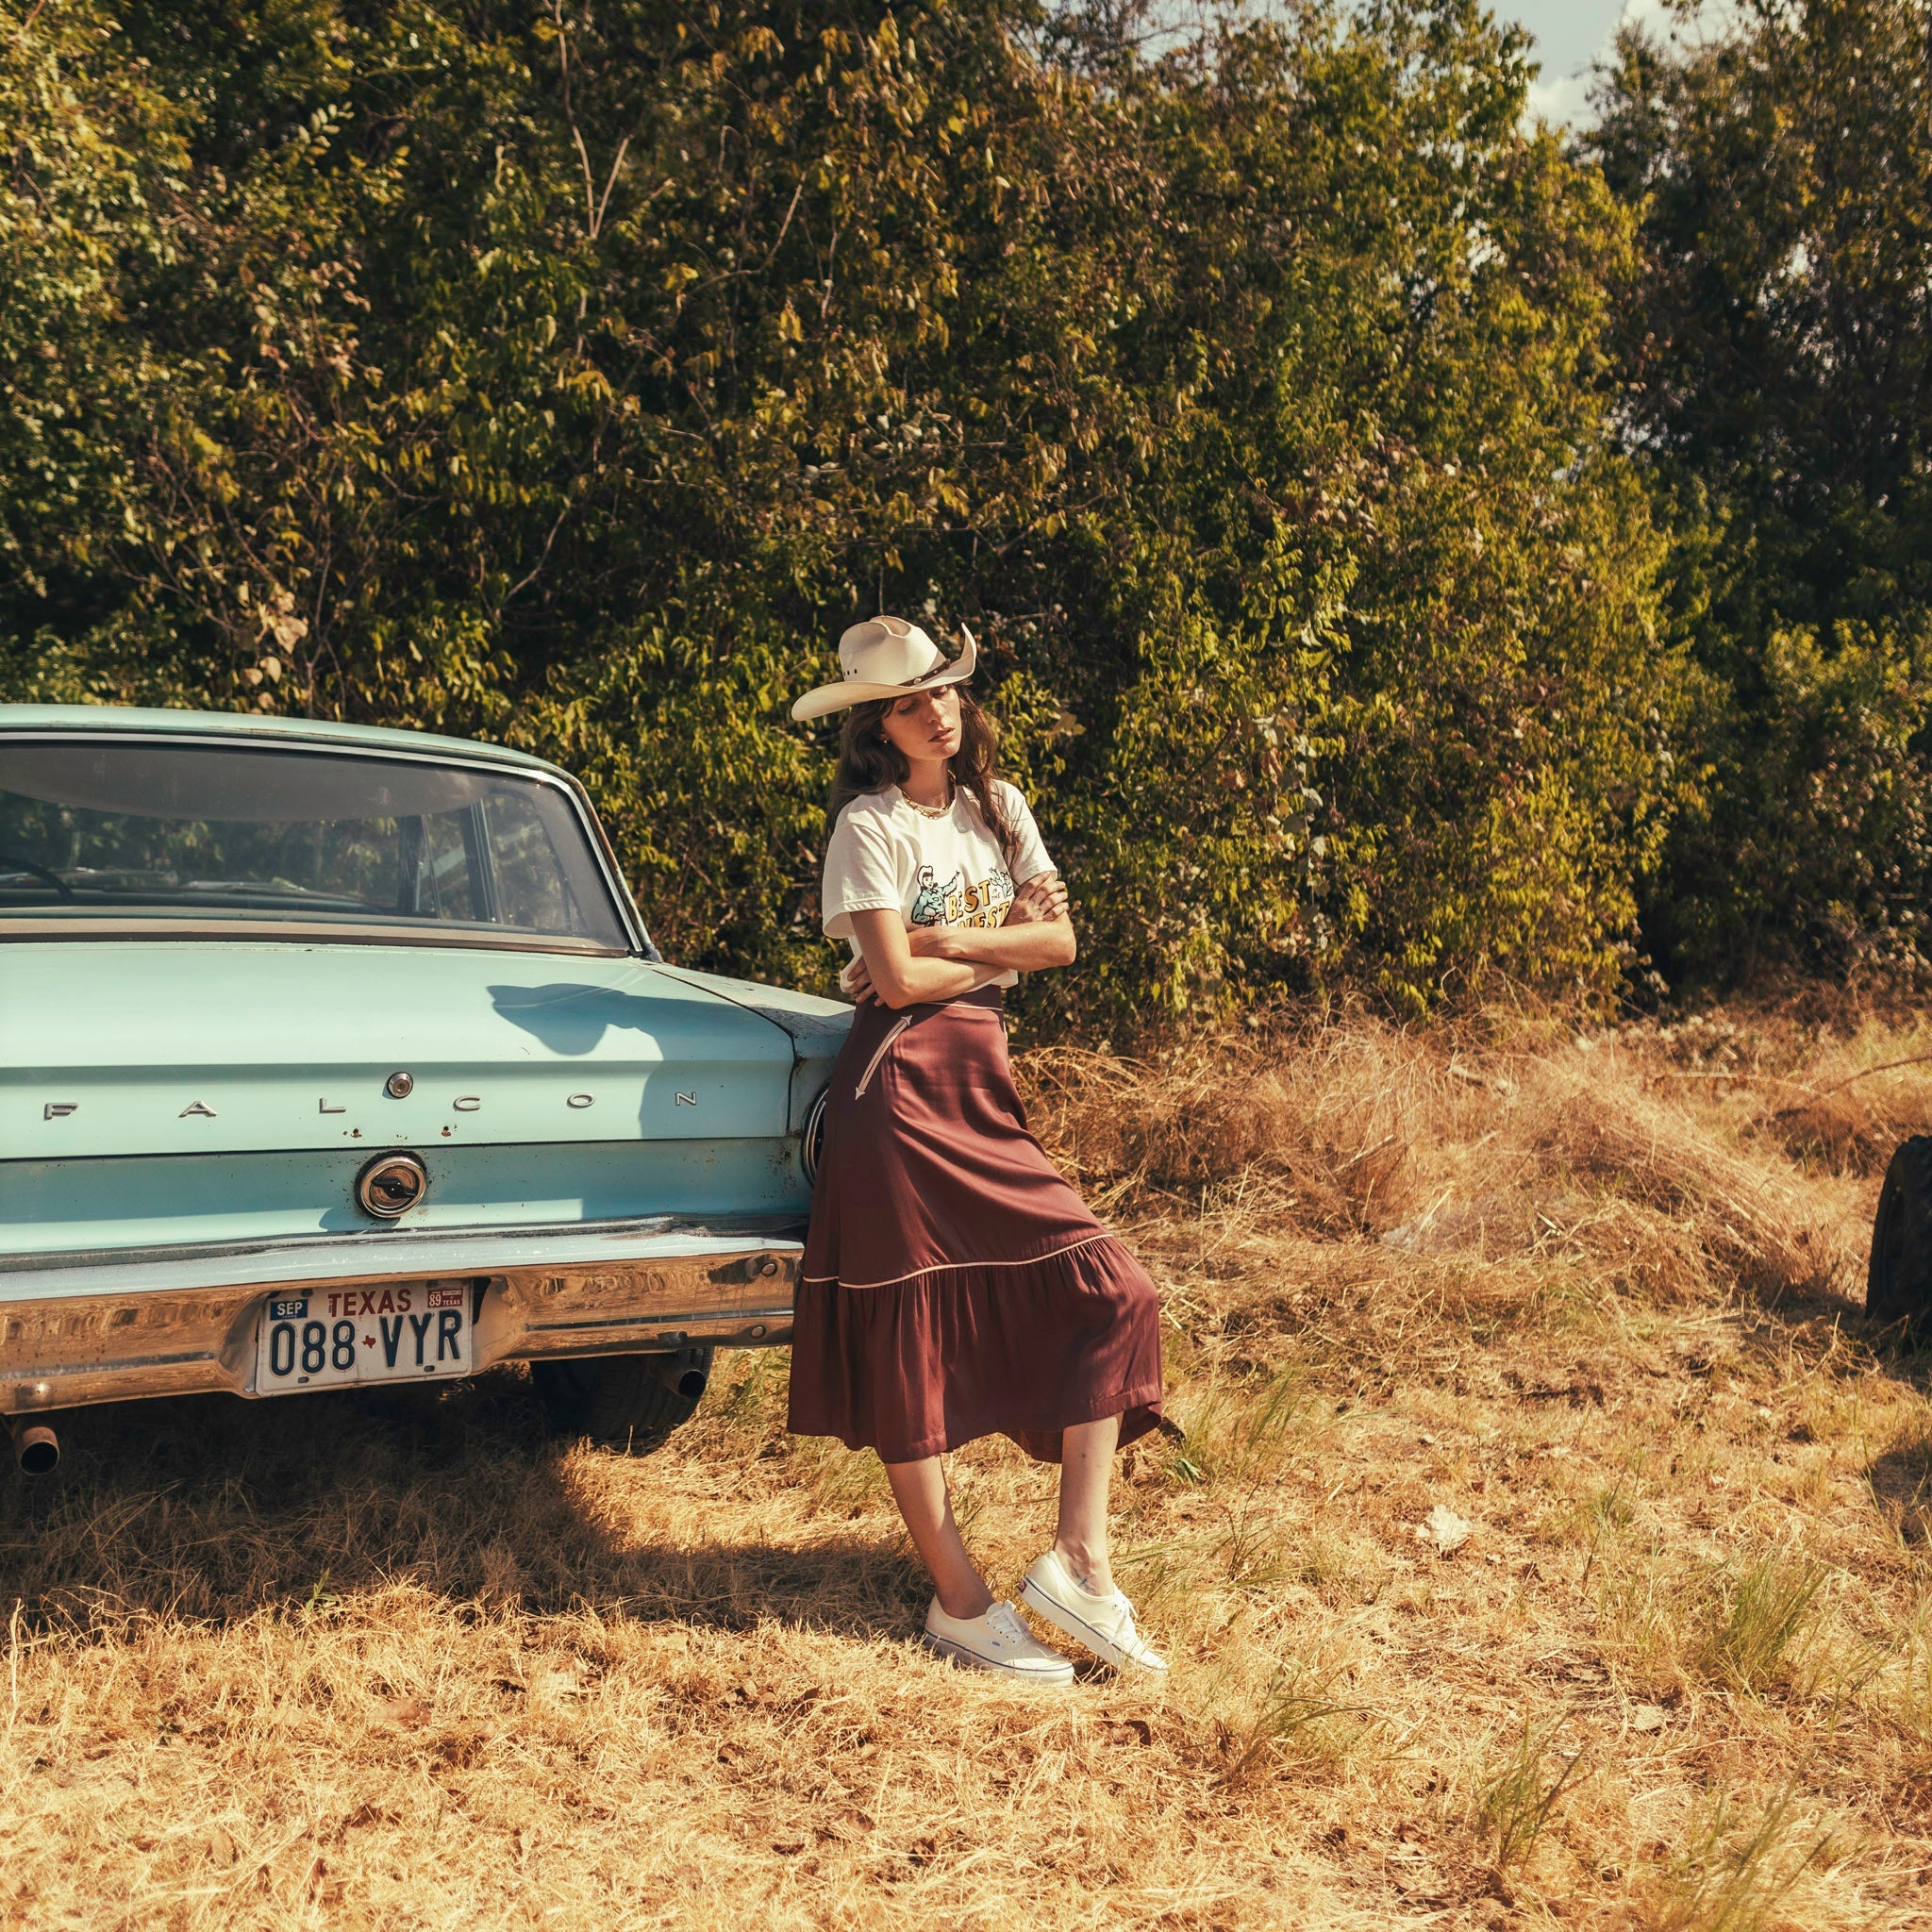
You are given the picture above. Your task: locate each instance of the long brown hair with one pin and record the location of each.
(869, 761)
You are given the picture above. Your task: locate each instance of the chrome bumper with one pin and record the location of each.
(112, 1326)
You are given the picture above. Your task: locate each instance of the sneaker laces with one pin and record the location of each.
(1124, 1631)
(1004, 1622)
(1128, 1635)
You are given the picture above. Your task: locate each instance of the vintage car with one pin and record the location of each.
(334, 1055)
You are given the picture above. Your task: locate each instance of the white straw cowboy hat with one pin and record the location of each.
(885, 658)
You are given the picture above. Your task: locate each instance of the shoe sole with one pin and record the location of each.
(972, 1660)
(1083, 1632)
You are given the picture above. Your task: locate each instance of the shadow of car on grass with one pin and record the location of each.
(190, 1509)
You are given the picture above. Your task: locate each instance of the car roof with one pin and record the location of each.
(257, 726)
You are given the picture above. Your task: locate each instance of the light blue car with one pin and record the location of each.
(334, 1056)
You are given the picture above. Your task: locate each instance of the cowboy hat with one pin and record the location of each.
(885, 658)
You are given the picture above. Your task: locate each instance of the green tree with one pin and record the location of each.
(574, 375)
(92, 146)
(1778, 364)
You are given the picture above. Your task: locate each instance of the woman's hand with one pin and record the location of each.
(1039, 902)
(934, 941)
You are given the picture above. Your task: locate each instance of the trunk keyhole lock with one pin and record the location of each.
(391, 1185)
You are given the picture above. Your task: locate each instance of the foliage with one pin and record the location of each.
(1778, 364)
(574, 375)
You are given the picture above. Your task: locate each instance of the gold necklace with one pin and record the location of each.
(931, 811)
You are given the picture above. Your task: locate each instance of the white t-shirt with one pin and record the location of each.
(953, 870)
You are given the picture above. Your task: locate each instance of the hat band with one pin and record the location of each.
(939, 669)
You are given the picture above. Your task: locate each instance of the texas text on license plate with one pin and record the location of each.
(326, 1337)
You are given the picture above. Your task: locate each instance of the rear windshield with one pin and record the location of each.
(149, 831)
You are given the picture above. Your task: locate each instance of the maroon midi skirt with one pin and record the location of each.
(953, 1285)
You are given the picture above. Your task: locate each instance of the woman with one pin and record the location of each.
(954, 1284)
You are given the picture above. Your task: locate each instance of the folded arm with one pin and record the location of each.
(939, 962)
(1028, 947)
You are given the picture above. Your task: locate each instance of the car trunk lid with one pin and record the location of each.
(120, 1048)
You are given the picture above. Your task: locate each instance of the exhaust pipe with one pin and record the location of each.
(36, 1447)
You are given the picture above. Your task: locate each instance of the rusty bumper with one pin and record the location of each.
(117, 1325)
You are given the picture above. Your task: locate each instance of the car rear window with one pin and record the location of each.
(146, 832)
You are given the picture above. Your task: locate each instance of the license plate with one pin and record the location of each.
(325, 1341)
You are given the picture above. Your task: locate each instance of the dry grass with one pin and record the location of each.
(398, 1661)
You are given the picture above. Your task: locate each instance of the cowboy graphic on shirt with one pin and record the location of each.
(929, 902)
(951, 904)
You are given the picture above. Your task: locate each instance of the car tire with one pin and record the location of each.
(1898, 1283)
(625, 1402)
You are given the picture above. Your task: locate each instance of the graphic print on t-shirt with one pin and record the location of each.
(953, 905)
(929, 902)
(951, 871)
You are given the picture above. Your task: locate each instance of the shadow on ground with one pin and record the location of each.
(1900, 1480)
(209, 1508)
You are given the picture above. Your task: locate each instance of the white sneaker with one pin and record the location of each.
(1103, 1624)
(995, 1641)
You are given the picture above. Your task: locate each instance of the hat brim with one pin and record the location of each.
(828, 698)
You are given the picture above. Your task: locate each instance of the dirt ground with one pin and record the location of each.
(1588, 1304)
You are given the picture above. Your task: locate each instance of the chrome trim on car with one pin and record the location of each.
(86, 929)
(68, 1269)
(813, 1140)
(180, 1325)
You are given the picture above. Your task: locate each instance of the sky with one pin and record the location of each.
(1570, 34)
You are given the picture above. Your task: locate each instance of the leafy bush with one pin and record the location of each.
(1777, 357)
(574, 377)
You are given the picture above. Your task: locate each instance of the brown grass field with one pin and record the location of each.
(399, 1662)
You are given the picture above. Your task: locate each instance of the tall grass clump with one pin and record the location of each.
(1763, 1615)
(1519, 1796)
(1734, 1878)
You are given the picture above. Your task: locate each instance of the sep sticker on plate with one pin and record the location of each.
(325, 1340)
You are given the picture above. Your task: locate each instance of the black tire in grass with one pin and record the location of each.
(1898, 1285)
(627, 1401)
